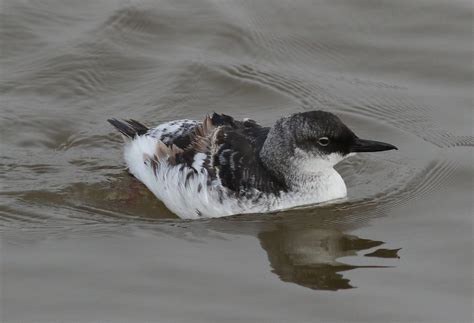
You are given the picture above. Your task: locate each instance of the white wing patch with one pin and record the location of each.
(199, 159)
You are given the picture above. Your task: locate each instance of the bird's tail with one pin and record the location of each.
(129, 128)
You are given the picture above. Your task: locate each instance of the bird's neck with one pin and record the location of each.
(312, 177)
(323, 184)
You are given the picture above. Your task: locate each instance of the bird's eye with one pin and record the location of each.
(323, 141)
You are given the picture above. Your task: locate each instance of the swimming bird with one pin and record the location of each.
(223, 166)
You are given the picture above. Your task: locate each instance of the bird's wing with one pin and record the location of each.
(237, 162)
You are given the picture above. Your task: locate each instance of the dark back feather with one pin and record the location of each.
(129, 128)
(237, 161)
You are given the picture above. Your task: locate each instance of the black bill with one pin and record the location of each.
(364, 145)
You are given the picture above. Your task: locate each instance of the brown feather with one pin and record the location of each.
(168, 153)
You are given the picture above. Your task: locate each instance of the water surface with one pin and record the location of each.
(82, 241)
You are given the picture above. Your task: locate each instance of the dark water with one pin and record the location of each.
(84, 242)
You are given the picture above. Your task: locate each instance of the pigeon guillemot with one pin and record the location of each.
(222, 166)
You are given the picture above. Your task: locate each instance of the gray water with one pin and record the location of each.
(82, 241)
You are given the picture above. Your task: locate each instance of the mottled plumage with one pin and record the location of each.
(223, 166)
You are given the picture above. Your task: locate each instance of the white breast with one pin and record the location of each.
(315, 178)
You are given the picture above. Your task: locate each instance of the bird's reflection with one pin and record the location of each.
(307, 246)
(309, 257)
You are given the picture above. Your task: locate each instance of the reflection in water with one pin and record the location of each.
(305, 245)
(385, 253)
(308, 257)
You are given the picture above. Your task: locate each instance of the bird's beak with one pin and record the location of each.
(364, 145)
